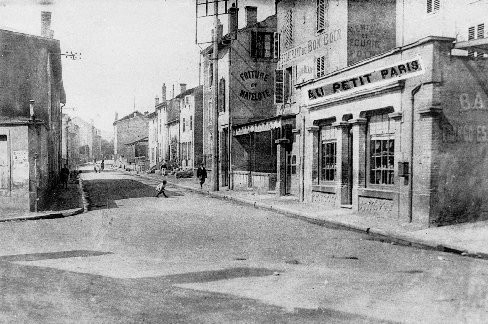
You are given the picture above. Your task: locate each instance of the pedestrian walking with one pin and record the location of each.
(201, 174)
(102, 165)
(64, 176)
(160, 189)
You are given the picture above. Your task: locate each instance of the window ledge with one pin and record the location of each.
(377, 193)
(324, 188)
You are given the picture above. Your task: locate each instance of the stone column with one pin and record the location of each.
(311, 160)
(343, 190)
(358, 158)
(281, 166)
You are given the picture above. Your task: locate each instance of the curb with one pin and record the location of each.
(55, 215)
(375, 233)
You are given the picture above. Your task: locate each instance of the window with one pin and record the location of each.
(321, 14)
(191, 122)
(320, 67)
(287, 30)
(433, 6)
(279, 86)
(292, 164)
(184, 122)
(476, 33)
(276, 46)
(382, 150)
(328, 153)
(262, 45)
(210, 74)
(222, 95)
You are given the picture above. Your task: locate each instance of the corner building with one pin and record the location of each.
(394, 125)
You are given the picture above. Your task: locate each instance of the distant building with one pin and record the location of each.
(30, 133)
(128, 130)
(153, 137)
(191, 127)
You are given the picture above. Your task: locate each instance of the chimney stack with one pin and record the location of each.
(251, 15)
(46, 24)
(163, 93)
(173, 92)
(233, 19)
(156, 100)
(116, 116)
(182, 87)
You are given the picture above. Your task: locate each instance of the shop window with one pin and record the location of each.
(382, 150)
(433, 6)
(322, 9)
(262, 44)
(328, 154)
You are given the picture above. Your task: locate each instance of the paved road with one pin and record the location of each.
(194, 259)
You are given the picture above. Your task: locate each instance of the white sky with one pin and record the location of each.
(129, 48)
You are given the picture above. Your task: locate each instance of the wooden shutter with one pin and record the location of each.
(276, 48)
(222, 95)
(481, 31)
(436, 5)
(287, 84)
(320, 15)
(254, 40)
(471, 53)
(279, 87)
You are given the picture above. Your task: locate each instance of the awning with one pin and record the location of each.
(263, 125)
(480, 45)
(141, 140)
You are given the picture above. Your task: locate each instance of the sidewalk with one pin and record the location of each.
(63, 203)
(469, 239)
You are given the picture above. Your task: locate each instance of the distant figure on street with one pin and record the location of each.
(160, 189)
(64, 175)
(201, 174)
(96, 168)
(163, 168)
(102, 165)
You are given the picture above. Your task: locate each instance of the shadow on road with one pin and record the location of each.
(102, 193)
(51, 255)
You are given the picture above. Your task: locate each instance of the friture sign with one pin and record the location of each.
(312, 45)
(402, 70)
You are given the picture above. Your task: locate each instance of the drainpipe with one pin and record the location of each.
(302, 167)
(410, 182)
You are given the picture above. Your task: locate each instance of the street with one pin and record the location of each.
(190, 258)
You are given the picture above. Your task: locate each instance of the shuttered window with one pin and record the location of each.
(262, 44)
(320, 67)
(433, 6)
(222, 95)
(481, 31)
(279, 86)
(471, 53)
(287, 30)
(276, 38)
(321, 14)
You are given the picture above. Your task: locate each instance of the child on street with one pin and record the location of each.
(160, 189)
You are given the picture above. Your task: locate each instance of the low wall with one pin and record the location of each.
(259, 181)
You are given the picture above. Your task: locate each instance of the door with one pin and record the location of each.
(225, 157)
(4, 163)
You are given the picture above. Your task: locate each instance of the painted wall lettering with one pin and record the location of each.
(472, 102)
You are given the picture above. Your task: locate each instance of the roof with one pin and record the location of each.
(151, 115)
(144, 139)
(268, 22)
(188, 92)
(129, 116)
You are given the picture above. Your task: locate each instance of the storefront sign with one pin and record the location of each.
(402, 70)
(256, 83)
(309, 47)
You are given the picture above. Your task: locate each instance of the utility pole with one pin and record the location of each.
(203, 5)
(215, 101)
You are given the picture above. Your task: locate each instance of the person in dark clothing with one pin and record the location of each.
(64, 175)
(102, 165)
(201, 174)
(160, 189)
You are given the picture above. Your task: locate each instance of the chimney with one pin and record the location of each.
(156, 101)
(163, 93)
(116, 116)
(220, 31)
(46, 24)
(173, 93)
(233, 19)
(251, 15)
(182, 87)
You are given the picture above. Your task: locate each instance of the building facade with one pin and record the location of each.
(392, 117)
(129, 130)
(30, 117)
(246, 64)
(191, 128)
